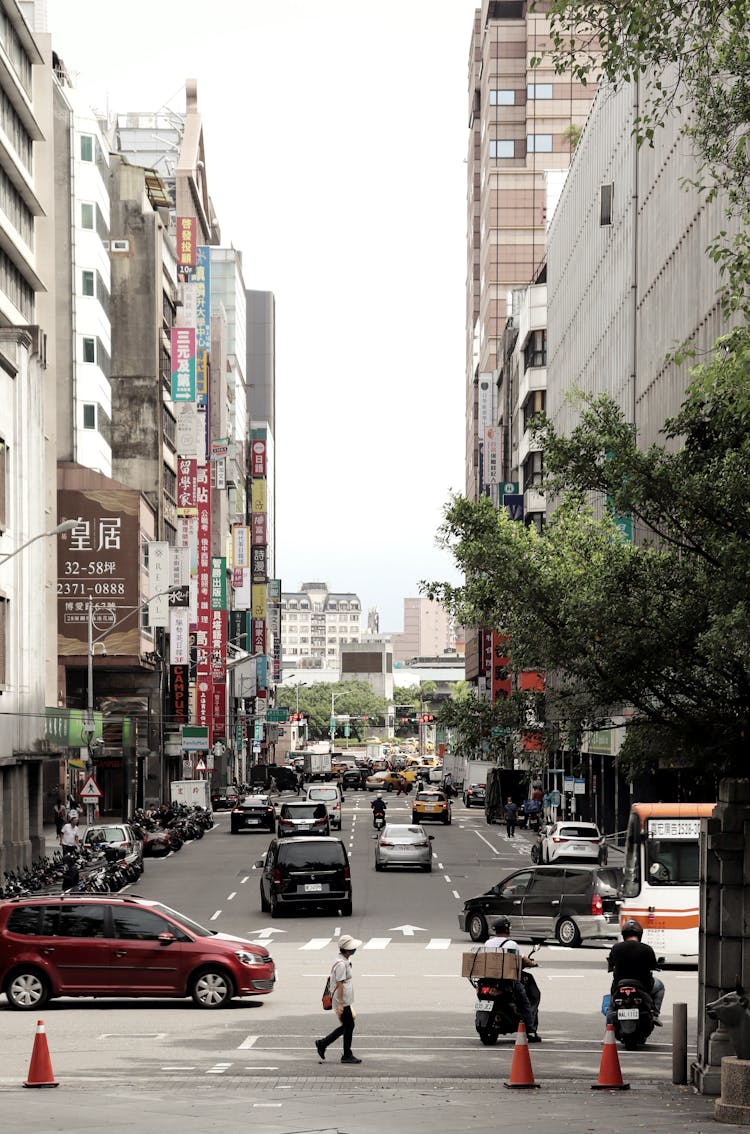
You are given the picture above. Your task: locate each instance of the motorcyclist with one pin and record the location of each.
(378, 807)
(630, 959)
(501, 942)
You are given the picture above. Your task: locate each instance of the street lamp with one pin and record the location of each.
(65, 526)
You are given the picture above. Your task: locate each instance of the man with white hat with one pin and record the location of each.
(342, 993)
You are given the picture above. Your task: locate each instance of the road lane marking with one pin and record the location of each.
(260, 1105)
(489, 844)
(244, 880)
(249, 1041)
(377, 943)
(178, 1068)
(447, 879)
(215, 915)
(257, 1068)
(232, 895)
(132, 1035)
(456, 895)
(438, 943)
(316, 943)
(218, 1068)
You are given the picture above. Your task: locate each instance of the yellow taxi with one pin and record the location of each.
(431, 805)
(388, 781)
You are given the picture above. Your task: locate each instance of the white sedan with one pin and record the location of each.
(570, 841)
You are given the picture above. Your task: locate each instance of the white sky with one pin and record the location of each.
(335, 138)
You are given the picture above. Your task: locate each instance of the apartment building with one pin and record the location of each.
(316, 624)
(429, 631)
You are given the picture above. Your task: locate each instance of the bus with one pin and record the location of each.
(661, 875)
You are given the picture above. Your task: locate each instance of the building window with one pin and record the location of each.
(502, 98)
(170, 482)
(535, 351)
(539, 143)
(539, 90)
(3, 484)
(3, 639)
(88, 282)
(502, 148)
(87, 216)
(89, 350)
(534, 404)
(533, 470)
(87, 147)
(606, 201)
(89, 416)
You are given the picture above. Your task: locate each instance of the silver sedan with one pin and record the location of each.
(399, 844)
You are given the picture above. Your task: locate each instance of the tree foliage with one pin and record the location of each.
(489, 730)
(353, 698)
(689, 58)
(658, 630)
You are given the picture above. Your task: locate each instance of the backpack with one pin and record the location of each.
(327, 999)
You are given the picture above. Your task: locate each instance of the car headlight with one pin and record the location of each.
(248, 958)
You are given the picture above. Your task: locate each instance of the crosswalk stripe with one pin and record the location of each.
(438, 943)
(316, 943)
(377, 943)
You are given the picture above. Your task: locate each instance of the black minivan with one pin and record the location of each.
(566, 902)
(305, 871)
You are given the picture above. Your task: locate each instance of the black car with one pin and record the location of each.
(566, 902)
(306, 871)
(222, 798)
(475, 795)
(353, 778)
(254, 813)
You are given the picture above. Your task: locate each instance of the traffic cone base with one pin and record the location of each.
(521, 1074)
(610, 1075)
(40, 1068)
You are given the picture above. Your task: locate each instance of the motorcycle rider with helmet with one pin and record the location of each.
(630, 959)
(378, 805)
(501, 942)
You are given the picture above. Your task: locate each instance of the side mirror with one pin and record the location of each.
(260, 862)
(166, 938)
(431, 838)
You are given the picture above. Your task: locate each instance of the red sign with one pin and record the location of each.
(258, 458)
(203, 701)
(258, 526)
(218, 645)
(237, 577)
(258, 635)
(186, 241)
(501, 681)
(219, 709)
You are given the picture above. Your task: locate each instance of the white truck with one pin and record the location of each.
(317, 765)
(375, 753)
(191, 792)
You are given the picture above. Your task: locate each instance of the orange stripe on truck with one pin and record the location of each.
(663, 919)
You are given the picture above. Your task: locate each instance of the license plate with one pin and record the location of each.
(313, 887)
(431, 807)
(581, 847)
(628, 1013)
(252, 822)
(484, 1005)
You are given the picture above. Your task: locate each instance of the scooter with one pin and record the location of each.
(634, 1021)
(496, 1012)
(378, 820)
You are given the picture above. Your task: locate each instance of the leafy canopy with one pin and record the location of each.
(659, 630)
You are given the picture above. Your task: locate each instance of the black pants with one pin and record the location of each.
(510, 826)
(345, 1029)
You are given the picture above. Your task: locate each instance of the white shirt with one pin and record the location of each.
(500, 945)
(342, 971)
(69, 835)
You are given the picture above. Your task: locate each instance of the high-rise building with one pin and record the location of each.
(429, 631)
(316, 624)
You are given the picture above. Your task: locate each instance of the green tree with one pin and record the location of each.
(487, 730)
(661, 629)
(353, 698)
(690, 59)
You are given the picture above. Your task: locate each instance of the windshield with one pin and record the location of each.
(317, 855)
(672, 863)
(186, 922)
(304, 810)
(105, 835)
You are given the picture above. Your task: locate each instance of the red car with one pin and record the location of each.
(112, 946)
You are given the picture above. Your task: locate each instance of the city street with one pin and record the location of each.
(415, 1012)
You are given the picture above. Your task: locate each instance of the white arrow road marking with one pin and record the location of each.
(377, 943)
(407, 930)
(248, 1042)
(316, 943)
(266, 932)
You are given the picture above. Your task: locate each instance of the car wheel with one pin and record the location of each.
(346, 909)
(26, 990)
(264, 906)
(477, 928)
(212, 988)
(568, 933)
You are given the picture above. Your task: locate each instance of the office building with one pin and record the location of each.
(316, 624)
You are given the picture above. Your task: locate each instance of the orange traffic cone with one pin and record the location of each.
(40, 1068)
(521, 1075)
(610, 1075)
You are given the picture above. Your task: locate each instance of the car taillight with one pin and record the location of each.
(286, 822)
(422, 844)
(385, 843)
(236, 811)
(557, 839)
(269, 811)
(347, 873)
(277, 877)
(596, 905)
(124, 846)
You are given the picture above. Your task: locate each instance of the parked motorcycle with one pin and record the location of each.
(634, 1021)
(496, 1012)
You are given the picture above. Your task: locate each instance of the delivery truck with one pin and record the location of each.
(317, 765)
(192, 792)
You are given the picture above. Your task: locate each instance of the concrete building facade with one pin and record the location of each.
(428, 631)
(317, 624)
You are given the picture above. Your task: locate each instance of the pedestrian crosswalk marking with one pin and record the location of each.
(377, 943)
(316, 943)
(438, 943)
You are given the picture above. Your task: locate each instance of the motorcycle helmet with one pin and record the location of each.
(501, 925)
(632, 928)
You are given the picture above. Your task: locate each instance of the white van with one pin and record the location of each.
(330, 794)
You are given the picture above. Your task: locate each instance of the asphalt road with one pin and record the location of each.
(415, 1012)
